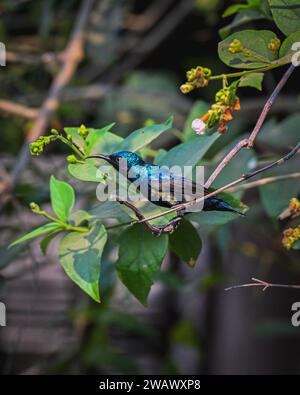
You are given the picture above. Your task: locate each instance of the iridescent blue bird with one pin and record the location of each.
(161, 186)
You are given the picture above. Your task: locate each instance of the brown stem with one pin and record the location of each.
(263, 181)
(264, 284)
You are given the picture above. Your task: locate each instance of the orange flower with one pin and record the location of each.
(237, 105)
(227, 116)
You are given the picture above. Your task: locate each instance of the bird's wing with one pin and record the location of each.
(173, 187)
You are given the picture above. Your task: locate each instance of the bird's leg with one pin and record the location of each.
(157, 230)
(173, 223)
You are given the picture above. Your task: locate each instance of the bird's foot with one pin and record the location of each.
(168, 228)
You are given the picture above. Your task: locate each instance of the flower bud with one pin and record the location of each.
(235, 46)
(34, 207)
(274, 44)
(72, 159)
(83, 131)
(186, 88)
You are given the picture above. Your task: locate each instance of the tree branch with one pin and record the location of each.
(264, 181)
(264, 284)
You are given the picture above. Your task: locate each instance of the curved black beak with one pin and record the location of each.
(99, 156)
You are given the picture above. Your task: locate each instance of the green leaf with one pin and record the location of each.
(76, 138)
(286, 47)
(242, 163)
(94, 136)
(186, 243)
(78, 217)
(108, 143)
(253, 80)
(140, 258)
(42, 230)
(276, 196)
(80, 256)
(240, 19)
(286, 14)
(44, 244)
(87, 171)
(217, 218)
(255, 41)
(281, 135)
(199, 108)
(233, 9)
(144, 136)
(109, 209)
(189, 153)
(62, 198)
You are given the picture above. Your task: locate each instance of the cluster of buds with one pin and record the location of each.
(293, 209)
(83, 131)
(220, 112)
(235, 46)
(37, 147)
(197, 77)
(34, 207)
(274, 44)
(290, 236)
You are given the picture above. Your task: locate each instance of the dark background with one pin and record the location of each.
(136, 56)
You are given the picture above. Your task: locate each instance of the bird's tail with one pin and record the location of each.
(220, 205)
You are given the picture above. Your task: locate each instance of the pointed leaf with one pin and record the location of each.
(189, 153)
(42, 230)
(94, 136)
(140, 258)
(87, 171)
(286, 14)
(80, 256)
(144, 136)
(62, 198)
(186, 243)
(254, 41)
(253, 80)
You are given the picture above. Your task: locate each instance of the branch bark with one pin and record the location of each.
(261, 283)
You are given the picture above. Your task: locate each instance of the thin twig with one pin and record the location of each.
(244, 177)
(157, 230)
(250, 141)
(73, 55)
(261, 283)
(264, 181)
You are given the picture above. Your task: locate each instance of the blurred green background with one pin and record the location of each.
(136, 55)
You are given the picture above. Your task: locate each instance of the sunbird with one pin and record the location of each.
(160, 185)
